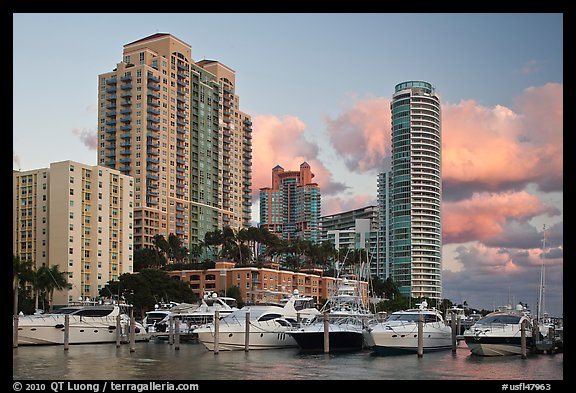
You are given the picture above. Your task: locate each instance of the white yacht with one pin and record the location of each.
(347, 317)
(88, 324)
(192, 316)
(159, 314)
(268, 325)
(399, 332)
(499, 333)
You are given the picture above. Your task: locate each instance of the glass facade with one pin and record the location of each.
(411, 195)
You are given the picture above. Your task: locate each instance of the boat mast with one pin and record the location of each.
(542, 279)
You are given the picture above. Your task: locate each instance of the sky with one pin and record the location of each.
(318, 87)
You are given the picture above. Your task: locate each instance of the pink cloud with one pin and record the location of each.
(497, 146)
(484, 215)
(484, 148)
(333, 204)
(281, 141)
(487, 261)
(361, 135)
(88, 138)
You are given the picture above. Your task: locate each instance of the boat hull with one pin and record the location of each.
(339, 341)
(496, 346)
(50, 330)
(405, 340)
(235, 339)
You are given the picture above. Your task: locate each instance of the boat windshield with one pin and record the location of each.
(65, 310)
(152, 317)
(301, 304)
(255, 313)
(503, 319)
(86, 311)
(413, 317)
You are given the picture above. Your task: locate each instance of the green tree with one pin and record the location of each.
(162, 248)
(234, 291)
(148, 258)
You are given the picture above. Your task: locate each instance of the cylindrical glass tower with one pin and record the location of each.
(415, 219)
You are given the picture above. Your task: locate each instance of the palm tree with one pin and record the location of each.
(38, 281)
(162, 247)
(176, 251)
(54, 280)
(212, 240)
(21, 272)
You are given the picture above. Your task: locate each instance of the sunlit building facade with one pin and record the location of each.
(175, 126)
(291, 207)
(76, 216)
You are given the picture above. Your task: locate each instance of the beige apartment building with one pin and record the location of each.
(262, 283)
(175, 126)
(76, 216)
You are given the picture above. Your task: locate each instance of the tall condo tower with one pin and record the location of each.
(291, 207)
(175, 126)
(410, 192)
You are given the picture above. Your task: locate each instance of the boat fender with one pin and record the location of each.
(59, 326)
(111, 327)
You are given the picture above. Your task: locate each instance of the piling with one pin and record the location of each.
(326, 333)
(170, 330)
(15, 332)
(523, 339)
(420, 335)
(66, 331)
(458, 326)
(118, 330)
(132, 330)
(247, 333)
(177, 333)
(454, 332)
(216, 331)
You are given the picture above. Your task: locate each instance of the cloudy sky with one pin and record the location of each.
(318, 87)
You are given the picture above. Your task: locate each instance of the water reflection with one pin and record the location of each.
(160, 361)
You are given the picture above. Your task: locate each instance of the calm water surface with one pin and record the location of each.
(160, 361)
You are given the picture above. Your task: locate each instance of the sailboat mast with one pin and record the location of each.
(542, 279)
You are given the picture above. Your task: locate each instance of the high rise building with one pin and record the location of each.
(76, 216)
(355, 229)
(410, 192)
(291, 207)
(175, 126)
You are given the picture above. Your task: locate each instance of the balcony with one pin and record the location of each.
(155, 79)
(152, 110)
(125, 111)
(153, 136)
(153, 86)
(153, 94)
(153, 119)
(126, 78)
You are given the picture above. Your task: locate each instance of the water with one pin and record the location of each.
(160, 361)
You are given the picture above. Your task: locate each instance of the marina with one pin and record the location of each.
(156, 360)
